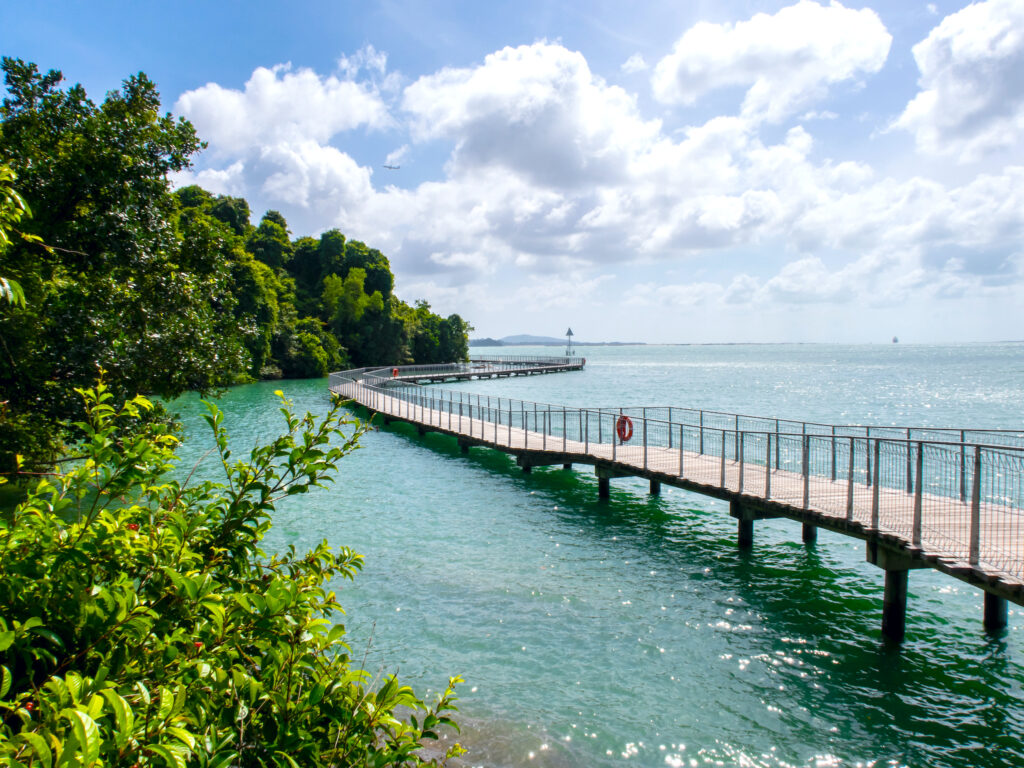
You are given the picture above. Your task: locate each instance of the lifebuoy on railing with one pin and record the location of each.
(394, 371)
(624, 428)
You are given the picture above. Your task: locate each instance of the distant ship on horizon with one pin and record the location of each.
(895, 340)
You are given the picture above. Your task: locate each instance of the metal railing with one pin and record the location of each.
(937, 489)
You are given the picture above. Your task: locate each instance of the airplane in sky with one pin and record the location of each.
(392, 167)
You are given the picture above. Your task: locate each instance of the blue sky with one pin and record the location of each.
(657, 171)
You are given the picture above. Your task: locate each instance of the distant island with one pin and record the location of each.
(524, 340)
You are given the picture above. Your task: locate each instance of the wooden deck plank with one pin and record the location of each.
(944, 520)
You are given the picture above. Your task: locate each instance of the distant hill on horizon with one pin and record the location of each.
(525, 339)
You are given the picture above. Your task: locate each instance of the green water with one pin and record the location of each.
(632, 631)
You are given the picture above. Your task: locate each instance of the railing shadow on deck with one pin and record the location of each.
(955, 493)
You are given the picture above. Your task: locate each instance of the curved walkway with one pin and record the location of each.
(949, 499)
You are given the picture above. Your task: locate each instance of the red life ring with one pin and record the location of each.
(624, 428)
(394, 371)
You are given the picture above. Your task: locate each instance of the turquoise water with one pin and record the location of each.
(632, 631)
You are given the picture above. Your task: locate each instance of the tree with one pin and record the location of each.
(378, 270)
(143, 625)
(12, 209)
(110, 290)
(270, 243)
(233, 211)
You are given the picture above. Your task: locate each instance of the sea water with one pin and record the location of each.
(632, 630)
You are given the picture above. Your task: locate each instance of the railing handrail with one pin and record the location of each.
(959, 479)
(386, 377)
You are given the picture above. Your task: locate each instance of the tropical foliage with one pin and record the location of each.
(166, 291)
(142, 625)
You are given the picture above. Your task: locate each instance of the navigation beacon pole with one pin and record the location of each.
(568, 343)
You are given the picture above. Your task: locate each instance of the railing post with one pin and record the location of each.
(849, 479)
(806, 468)
(735, 436)
(701, 449)
(975, 554)
(833, 453)
(963, 467)
(645, 439)
(874, 490)
(564, 430)
(682, 445)
(768, 465)
(867, 454)
(739, 449)
(544, 431)
(776, 443)
(722, 478)
(910, 471)
(918, 496)
(614, 441)
(600, 439)
(586, 433)
(509, 423)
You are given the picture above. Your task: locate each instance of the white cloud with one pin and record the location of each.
(396, 156)
(685, 295)
(635, 63)
(367, 58)
(972, 88)
(535, 111)
(786, 61)
(555, 178)
(277, 105)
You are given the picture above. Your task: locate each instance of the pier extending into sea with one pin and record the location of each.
(948, 499)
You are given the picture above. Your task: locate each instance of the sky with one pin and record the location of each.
(663, 171)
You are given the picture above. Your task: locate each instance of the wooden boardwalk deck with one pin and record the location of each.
(906, 524)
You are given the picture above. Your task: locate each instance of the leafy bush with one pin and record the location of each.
(142, 625)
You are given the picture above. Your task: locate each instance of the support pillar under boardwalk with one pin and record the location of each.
(810, 533)
(894, 606)
(655, 488)
(744, 533)
(897, 565)
(464, 447)
(995, 612)
(745, 517)
(604, 474)
(567, 466)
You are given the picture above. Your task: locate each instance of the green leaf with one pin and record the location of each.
(86, 733)
(5, 681)
(182, 735)
(172, 755)
(6, 638)
(39, 746)
(223, 761)
(123, 716)
(317, 693)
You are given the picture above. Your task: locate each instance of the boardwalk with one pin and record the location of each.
(946, 499)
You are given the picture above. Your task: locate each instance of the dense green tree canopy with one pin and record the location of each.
(166, 291)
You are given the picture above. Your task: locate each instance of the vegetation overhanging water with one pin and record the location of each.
(592, 633)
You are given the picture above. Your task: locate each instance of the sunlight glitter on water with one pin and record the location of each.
(603, 628)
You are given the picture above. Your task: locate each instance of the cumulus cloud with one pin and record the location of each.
(279, 104)
(634, 63)
(537, 111)
(971, 100)
(786, 60)
(555, 178)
